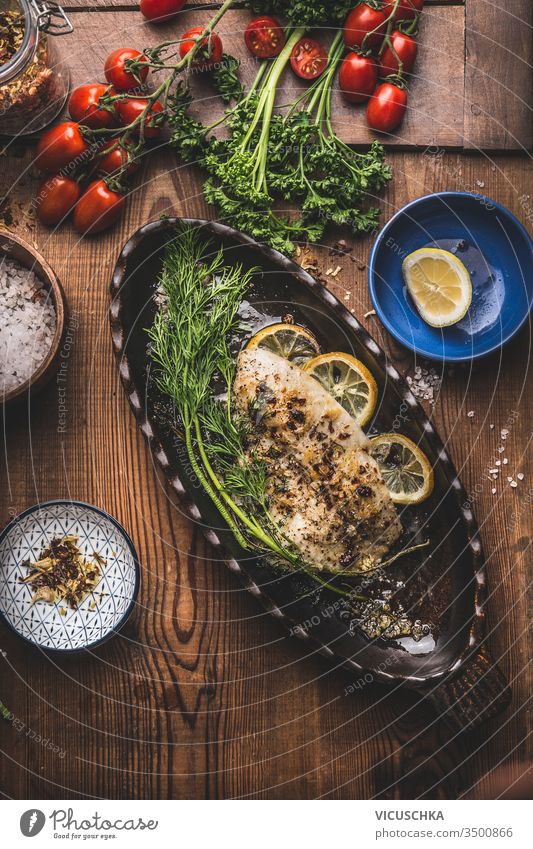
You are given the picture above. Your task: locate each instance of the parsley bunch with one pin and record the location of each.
(306, 13)
(272, 160)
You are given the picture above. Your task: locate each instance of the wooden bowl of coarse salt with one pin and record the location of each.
(33, 309)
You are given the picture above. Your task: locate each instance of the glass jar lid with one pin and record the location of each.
(38, 17)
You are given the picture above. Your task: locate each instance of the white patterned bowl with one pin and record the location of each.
(41, 623)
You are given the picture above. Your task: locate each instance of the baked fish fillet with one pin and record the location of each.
(325, 490)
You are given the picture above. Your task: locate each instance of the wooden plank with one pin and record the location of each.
(499, 75)
(435, 111)
(126, 5)
(204, 696)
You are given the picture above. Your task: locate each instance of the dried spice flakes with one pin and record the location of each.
(62, 573)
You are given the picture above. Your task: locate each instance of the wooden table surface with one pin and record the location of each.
(203, 695)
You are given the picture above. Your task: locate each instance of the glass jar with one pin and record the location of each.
(34, 83)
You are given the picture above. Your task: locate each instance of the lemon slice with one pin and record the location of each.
(290, 341)
(439, 284)
(348, 380)
(405, 469)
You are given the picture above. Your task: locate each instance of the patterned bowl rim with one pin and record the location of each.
(129, 542)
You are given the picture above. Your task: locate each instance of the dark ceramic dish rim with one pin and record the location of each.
(129, 542)
(373, 284)
(476, 631)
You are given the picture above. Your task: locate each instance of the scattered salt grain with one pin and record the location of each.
(505, 461)
(27, 324)
(498, 463)
(514, 484)
(425, 384)
(520, 476)
(493, 491)
(470, 414)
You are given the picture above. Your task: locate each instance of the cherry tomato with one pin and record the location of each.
(210, 52)
(83, 106)
(386, 108)
(407, 9)
(115, 159)
(98, 208)
(308, 59)
(55, 199)
(59, 147)
(405, 49)
(130, 108)
(158, 11)
(363, 20)
(115, 69)
(357, 77)
(264, 37)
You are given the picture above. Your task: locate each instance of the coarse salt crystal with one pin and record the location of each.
(27, 326)
(520, 476)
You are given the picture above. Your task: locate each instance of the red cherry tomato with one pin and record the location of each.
(210, 52)
(264, 37)
(405, 49)
(357, 77)
(98, 208)
(158, 11)
(308, 59)
(59, 147)
(116, 73)
(83, 106)
(386, 108)
(407, 9)
(115, 159)
(360, 22)
(55, 199)
(130, 108)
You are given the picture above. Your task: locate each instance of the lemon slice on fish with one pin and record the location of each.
(439, 284)
(290, 341)
(405, 469)
(348, 380)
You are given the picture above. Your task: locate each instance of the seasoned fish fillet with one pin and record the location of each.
(326, 491)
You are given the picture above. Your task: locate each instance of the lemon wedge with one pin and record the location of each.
(290, 341)
(405, 469)
(439, 284)
(348, 380)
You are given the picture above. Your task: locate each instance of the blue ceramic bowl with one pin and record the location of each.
(492, 244)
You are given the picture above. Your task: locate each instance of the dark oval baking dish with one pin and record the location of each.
(457, 672)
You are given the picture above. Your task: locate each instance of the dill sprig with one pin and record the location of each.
(189, 345)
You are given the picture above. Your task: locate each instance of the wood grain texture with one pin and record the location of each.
(499, 74)
(435, 109)
(204, 695)
(126, 5)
